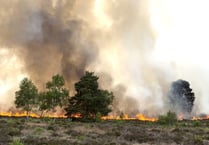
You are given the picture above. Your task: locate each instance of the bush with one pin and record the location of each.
(12, 131)
(121, 115)
(98, 117)
(38, 130)
(16, 141)
(198, 140)
(196, 123)
(170, 118)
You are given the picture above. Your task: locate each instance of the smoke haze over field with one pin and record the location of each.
(137, 47)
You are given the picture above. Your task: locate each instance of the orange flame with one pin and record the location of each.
(126, 117)
(34, 115)
(139, 116)
(200, 118)
(110, 117)
(19, 114)
(143, 118)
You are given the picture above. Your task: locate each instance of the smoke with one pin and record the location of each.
(181, 97)
(128, 42)
(134, 46)
(47, 37)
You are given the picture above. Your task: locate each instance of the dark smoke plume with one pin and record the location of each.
(113, 38)
(48, 37)
(181, 97)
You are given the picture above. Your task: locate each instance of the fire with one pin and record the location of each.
(139, 116)
(19, 114)
(110, 117)
(76, 115)
(34, 115)
(180, 117)
(143, 118)
(200, 118)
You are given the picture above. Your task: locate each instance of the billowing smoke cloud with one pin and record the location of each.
(48, 37)
(181, 97)
(119, 40)
(128, 41)
(113, 39)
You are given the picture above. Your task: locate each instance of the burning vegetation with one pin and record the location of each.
(71, 36)
(90, 102)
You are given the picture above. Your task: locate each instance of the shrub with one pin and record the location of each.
(98, 117)
(121, 115)
(198, 139)
(170, 118)
(196, 123)
(16, 141)
(12, 131)
(39, 130)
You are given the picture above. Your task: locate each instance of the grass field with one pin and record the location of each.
(47, 131)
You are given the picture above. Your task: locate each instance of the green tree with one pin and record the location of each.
(89, 99)
(43, 103)
(56, 94)
(26, 97)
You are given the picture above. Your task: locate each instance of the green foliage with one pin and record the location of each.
(13, 131)
(81, 137)
(198, 140)
(169, 119)
(16, 141)
(56, 94)
(39, 130)
(197, 123)
(26, 97)
(121, 115)
(98, 117)
(89, 99)
(47, 119)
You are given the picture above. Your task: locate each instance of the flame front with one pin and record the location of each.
(200, 118)
(110, 117)
(34, 115)
(138, 116)
(19, 114)
(126, 117)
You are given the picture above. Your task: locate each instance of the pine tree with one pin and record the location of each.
(89, 99)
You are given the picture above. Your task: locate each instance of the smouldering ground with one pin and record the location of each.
(118, 132)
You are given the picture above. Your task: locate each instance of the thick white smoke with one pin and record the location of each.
(182, 32)
(126, 54)
(137, 47)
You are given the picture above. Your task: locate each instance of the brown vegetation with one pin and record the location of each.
(115, 132)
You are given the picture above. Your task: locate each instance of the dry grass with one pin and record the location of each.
(65, 132)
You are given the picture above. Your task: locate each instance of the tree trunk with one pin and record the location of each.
(27, 115)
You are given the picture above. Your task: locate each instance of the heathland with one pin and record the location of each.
(49, 131)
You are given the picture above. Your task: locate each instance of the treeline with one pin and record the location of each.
(89, 100)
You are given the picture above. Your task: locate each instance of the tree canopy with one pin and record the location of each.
(89, 99)
(55, 95)
(25, 97)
